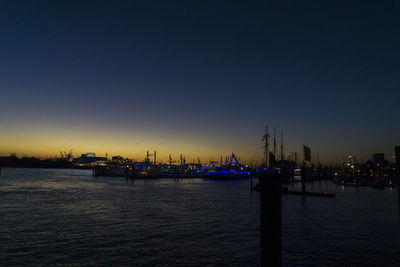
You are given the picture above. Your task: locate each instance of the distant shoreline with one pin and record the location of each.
(30, 162)
(47, 167)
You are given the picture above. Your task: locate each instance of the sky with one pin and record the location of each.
(199, 78)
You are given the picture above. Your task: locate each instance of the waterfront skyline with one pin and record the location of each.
(199, 78)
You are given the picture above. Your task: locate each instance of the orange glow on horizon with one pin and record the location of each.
(46, 141)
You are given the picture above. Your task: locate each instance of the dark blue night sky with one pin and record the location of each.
(199, 77)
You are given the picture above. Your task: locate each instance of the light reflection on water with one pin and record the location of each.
(51, 217)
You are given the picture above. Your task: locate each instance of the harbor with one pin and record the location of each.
(375, 172)
(199, 133)
(276, 180)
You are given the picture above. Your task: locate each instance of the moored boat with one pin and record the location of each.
(231, 170)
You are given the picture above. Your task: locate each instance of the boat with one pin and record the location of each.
(231, 170)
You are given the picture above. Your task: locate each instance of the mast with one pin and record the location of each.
(266, 146)
(281, 145)
(274, 142)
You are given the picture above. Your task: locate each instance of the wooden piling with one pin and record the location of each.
(398, 184)
(398, 192)
(319, 172)
(303, 178)
(269, 188)
(292, 176)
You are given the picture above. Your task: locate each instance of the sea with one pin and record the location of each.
(67, 217)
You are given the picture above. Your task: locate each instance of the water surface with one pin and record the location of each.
(68, 217)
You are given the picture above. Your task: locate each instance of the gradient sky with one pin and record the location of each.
(200, 78)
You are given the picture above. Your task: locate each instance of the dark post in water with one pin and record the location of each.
(269, 188)
(303, 178)
(398, 183)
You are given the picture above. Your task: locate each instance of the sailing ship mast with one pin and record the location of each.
(266, 146)
(281, 146)
(274, 142)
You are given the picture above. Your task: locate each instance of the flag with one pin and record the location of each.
(307, 153)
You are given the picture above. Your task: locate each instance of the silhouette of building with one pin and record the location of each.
(397, 155)
(378, 157)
